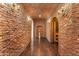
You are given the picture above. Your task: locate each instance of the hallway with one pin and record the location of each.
(42, 48)
(39, 29)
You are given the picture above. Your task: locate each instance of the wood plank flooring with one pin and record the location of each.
(42, 48)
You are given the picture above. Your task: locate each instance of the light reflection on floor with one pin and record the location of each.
(43, 49)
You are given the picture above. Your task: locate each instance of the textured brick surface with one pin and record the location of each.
(69, 33)
(13, 33)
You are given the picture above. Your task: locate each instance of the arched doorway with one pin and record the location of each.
(54, 31)
(39, 29)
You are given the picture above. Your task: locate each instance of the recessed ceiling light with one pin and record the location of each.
(40, 15)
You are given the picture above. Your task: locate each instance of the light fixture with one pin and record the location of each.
(40, 15)
(64, 10)
(15, 7)
(29, 18)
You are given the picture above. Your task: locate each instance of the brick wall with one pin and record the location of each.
(69, 33)
(13, 33)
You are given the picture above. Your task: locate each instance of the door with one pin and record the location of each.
(54, 30)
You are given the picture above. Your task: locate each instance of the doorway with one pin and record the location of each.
(39, 29)
(54, 31)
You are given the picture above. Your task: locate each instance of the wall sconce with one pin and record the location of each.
(29, 18)
(15, 7)
(11, 6)
(64, 10)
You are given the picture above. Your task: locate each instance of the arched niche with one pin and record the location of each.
(54, 29)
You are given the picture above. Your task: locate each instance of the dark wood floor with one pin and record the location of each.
(42, 48)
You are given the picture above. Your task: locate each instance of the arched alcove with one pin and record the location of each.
(54, 30)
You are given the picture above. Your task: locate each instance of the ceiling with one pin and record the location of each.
(40, 10)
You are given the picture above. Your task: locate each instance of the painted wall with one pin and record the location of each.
(48, 30)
